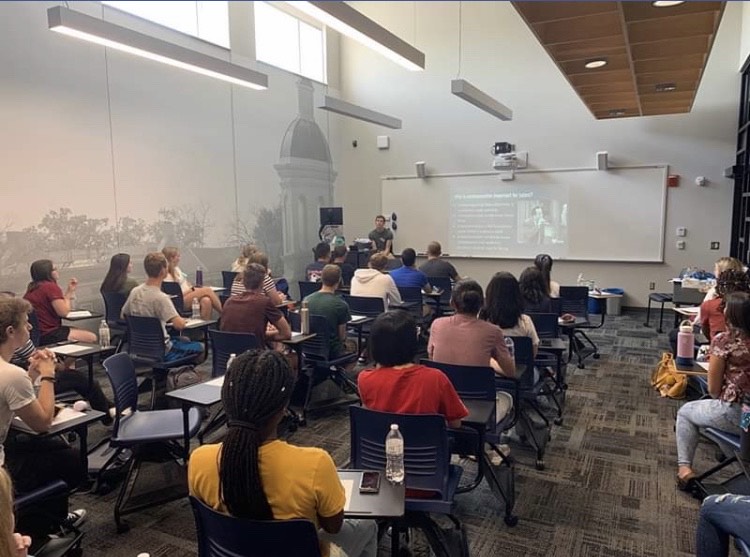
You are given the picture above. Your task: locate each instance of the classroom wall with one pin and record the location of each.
(103, 152)
(501, 56)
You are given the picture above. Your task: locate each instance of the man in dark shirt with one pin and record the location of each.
(339, 259)
(326, 303)
(322, 258)
(381, 237)
(252, 311)
(437, 267)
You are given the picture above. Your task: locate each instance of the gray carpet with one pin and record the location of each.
(608, 489)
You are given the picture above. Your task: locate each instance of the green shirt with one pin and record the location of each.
(336, 312)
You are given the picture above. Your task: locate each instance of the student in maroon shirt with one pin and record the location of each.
(51, 305)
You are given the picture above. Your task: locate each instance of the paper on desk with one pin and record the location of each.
(704, 365)
(190, 322)
(64, 415)
(295, 335)
(218, 382)
(217, 288)
(692, 310)
(348, 486)
(69, 349)
(78, 314)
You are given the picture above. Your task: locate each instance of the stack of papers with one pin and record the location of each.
(78, 314)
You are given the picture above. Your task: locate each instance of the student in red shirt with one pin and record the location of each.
(51, 305)
(712, 311)
(397, 384)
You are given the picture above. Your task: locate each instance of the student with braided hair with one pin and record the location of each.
(255, 475)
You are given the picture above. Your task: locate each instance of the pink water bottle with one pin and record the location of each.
(685, 343)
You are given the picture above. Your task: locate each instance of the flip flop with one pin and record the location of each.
(686, 483)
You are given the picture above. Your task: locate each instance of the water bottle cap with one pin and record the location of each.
(394, 426)
(686, 327)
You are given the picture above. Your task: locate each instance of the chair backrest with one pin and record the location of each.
(146, 338)
(470, 382)
(121, 374)
(426, 452)
(365, 305)
(221, 535)
(35, 334)
(444, 284)
(410, 294)
(113, 302)
(523, 351)
(224, 344)
(174, 291)
(227, 278)
(307, 287)
(318, 347)
(575, 300)
(545, 324)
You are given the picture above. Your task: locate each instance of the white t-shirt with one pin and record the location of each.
(16, 391)
(149, 301)
(524, 328)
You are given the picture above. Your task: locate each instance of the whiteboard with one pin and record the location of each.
(577, 214)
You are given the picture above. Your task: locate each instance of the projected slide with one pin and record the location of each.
(509, 221)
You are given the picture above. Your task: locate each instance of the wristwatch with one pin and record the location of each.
(47, 378)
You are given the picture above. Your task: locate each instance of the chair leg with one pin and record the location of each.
(133, 468)
(661, 316)
(648, 314)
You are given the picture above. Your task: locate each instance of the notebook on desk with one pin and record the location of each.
(65, 414)
(78, 314)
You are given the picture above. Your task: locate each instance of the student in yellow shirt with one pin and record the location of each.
(254, 475)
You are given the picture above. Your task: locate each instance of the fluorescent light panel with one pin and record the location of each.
(348, 109)
(81, 26)
(469, 93)
(348, 21)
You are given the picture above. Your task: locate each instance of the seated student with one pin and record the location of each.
(12, 544)
(117, 279)
(543, 262)
(408, 275)
(381, 237)
(241, 262)
(147, 300)
(728, 382)
(534, 291)
(252, 311)
(339, 259)
(269, 287)
(503, 306)
(722, 516)
(464, 339)
(326, 303)
(255, 475)
(437, 267)
(31, 462)
(399, 385)
(322, 258)
(712, 319)
(373, 283)
(51, 305)
(207, 298)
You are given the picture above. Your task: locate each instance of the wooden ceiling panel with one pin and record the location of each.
(643, 46)
(536, 12)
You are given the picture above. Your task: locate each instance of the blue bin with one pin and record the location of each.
(596, 306)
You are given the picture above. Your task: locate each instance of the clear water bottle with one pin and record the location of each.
(199, 276)
(232, 356)
(196, 309)
(304, 319)
(394, 455)
(104, 337)
(72, 301)
(511, 346)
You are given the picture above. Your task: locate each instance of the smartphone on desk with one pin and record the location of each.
(370, 482)
(545, 342)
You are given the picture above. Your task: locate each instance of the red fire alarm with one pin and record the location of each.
(673, 180)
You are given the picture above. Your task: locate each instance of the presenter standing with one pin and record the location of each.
(381, 237)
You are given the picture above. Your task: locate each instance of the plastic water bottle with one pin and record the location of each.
(199, 276)
(511, 346)
(304, 319)
(232, 356)
(394, 455)
(104, 337)
(72, 301)
(196, 309)
(685, 343)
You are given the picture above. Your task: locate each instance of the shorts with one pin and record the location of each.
(53, 337)
(183, 349)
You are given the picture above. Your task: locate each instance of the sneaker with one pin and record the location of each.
(75, 518)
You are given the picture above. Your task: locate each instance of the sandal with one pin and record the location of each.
(686, 483)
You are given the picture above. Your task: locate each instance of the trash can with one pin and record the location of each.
(596, 306)
(614, 304)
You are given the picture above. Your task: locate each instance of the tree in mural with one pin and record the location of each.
(131, 232)
(184, 225)
(64, 232)
(266, 233)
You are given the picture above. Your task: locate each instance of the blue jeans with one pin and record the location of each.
(722, 516)
(183, 349)
(703, 413)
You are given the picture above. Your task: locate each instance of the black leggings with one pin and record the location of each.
(72, 380)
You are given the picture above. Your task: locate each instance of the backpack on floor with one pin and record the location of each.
(182, 376)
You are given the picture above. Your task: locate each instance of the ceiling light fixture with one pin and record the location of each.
(595, 63)
(667, 3)
(81, 26)
(338, 106)
(665, 87)
(480, 99)
(348, 21)
(617, 112)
